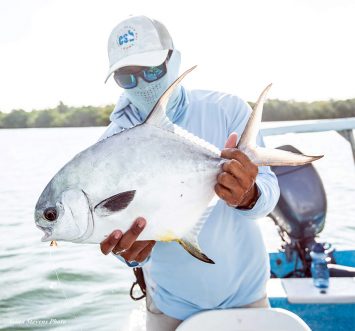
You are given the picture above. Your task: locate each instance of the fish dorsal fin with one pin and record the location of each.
(196, 140)
(157, 116)
(248, 138)
(115, 203)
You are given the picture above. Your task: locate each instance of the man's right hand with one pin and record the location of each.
(126, 244)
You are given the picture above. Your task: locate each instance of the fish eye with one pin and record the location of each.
(50, 214)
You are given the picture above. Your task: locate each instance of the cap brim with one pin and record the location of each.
(148, 59)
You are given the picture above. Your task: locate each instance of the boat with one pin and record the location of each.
(244, 319)
(300, 217)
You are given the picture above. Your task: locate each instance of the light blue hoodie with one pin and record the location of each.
(179, 284)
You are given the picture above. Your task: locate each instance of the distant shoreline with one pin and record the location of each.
(91, 116)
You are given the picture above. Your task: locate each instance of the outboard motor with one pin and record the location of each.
(301, 209)
(300, 214)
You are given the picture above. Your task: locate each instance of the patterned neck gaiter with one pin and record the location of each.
(145, 95)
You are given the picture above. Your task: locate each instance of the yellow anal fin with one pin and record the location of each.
(194, 250)
(169, 236)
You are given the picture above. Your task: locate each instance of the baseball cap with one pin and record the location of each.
(138, 41)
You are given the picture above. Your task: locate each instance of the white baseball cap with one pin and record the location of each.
(138, 41)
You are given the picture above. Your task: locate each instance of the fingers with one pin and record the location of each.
(245, 177)
(145, 252)
(236, 154)
(238, 161)
(237, 178)
(227, 180)
(129, 237)
(110, 242)
(139, 251)
(231, 197)
(232, 140)
(126, 245)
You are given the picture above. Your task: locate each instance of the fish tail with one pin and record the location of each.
(194, 249)
(276, 157)
(266, 156)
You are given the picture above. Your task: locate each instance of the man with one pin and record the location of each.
(144, 62)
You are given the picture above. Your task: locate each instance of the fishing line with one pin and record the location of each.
(53, 246)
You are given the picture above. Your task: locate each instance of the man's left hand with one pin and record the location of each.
(236, 182)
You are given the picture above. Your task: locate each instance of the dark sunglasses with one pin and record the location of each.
(127, 77)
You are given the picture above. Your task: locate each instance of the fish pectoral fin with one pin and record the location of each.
(275, 157)
(115, 203)
(194, 249)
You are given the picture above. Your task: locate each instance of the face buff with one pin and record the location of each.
(145, 95)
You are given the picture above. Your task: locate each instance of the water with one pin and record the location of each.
(75, 287)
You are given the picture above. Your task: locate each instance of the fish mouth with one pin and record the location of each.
(47, 232)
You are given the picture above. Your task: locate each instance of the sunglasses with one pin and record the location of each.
(127, 77)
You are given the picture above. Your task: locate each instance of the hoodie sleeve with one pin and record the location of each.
(132, 264)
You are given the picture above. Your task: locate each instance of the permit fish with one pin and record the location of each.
(156, 170)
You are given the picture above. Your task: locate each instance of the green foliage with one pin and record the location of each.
(60, 116)
(2, 115)
(41, 119)
(274, 110)
(15, 119)
(279, 110)
(62, 108)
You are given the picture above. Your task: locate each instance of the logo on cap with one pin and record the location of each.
(126, 37)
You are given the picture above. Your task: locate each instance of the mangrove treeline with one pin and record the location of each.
(65, 116)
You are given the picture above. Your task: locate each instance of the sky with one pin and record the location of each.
(56, 50)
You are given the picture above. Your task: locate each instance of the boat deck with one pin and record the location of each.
(332, 310)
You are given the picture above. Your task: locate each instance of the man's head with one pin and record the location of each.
(143, 60)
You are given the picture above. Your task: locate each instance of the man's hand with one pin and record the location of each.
(127, 245)
(236, 182)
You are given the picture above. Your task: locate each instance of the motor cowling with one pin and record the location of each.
(301, 209)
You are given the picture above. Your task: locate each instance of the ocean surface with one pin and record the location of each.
(76, 287)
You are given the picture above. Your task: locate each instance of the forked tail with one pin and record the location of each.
(266, 156)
